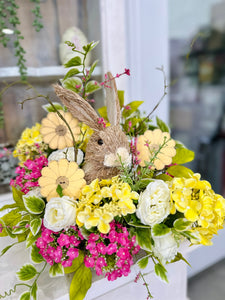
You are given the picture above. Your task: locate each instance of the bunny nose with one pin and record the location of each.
(115, 159)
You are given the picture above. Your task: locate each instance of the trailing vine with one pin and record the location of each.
(9, 20)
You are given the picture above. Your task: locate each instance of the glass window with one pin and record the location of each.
(197, 94)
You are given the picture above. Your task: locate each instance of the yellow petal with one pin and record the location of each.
(103, 227)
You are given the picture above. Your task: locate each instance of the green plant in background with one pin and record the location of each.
(9, 22)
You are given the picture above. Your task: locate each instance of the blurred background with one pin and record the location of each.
(187, 38)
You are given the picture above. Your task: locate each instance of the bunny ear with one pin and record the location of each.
(78, 107)
(112, 101)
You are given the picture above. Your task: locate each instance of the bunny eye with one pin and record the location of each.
(100, 142)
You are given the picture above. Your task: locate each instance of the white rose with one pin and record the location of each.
(67, 153)
(60, 213)
(154, 203)
(165, 247)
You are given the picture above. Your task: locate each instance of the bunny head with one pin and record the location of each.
(108, 147)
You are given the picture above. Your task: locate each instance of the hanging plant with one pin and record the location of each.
(9, 22)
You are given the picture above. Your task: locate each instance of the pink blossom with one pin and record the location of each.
(63, 240)
(112, 248)
(67, 263)
(40, 243)
(127, 71)
(93, 237)
(89, 262)
(72, 253)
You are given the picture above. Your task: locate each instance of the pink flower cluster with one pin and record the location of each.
(135, 153)
(60, 247)
(29, 174)
(111, 253)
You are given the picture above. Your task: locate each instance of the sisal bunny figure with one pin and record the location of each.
(107, 146)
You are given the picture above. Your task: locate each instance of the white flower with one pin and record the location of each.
(154, 203)
(60, 213)
(165, 247)
(67, 153)
(115, 159)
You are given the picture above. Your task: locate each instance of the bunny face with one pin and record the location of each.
(105, 152)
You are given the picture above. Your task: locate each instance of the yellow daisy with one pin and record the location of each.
(66, 174)
(56, 133)
(155, 147)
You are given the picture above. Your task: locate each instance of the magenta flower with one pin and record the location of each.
(72, 253)
(63, 240)
(89, 262)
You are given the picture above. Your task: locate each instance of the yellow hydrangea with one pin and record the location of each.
(103, 200)
(30, 144)
(200, 205)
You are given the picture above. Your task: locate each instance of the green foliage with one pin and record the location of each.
(71, 73)
(121, 98)
(143, 262)
(181, 224)
(74, 84)
(143, 236)
(133, 106)
(160, 229)
(103, 112)
(81, 283)
(162, 126)
(59, 190)
(35, 226)
(35, 256)
(26, 272)
(31, 239)
(178, 257)
(92, 86)
(180, 171)
(183, 155)
(161, 272)
(50, 108)
(7, 248)
(33, 291)
(33, 204)
(76, 263)
(25, 296)
(73, 62)
(56, 270)
(10, 19)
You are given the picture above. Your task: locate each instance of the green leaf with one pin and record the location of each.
(133, 107)
(19, 229)
(87, 48)
(103, 112)
(73, 62)
(35, 225)
(56, 270)
(50, 108)
(183, 155)
(160, 229)
(35, 256)
(121, 98)
(180, 171)
(188, 234)
(161, 272)
(26, 272)
(71, 73)
(81, 283)
(164, 177)
(33, 204)
(178, 257)
(31, 239)
(181, 224)
(8, 221)
(18, 197)
(7, 248)
(8, 206)
(33, 291)
(59, 190)
(143, 236)
(92, 86)
(92, 68)
(76, 263)
(162, 126)
(25, 296)
(143, 262)
(74, 84)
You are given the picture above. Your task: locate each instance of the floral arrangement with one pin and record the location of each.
(101, 193)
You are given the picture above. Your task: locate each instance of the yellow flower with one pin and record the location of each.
(30, 144)
(155, 147)
(56, 133)
(103, 200)
(85, 134)
(66, 174)
(200, 205)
